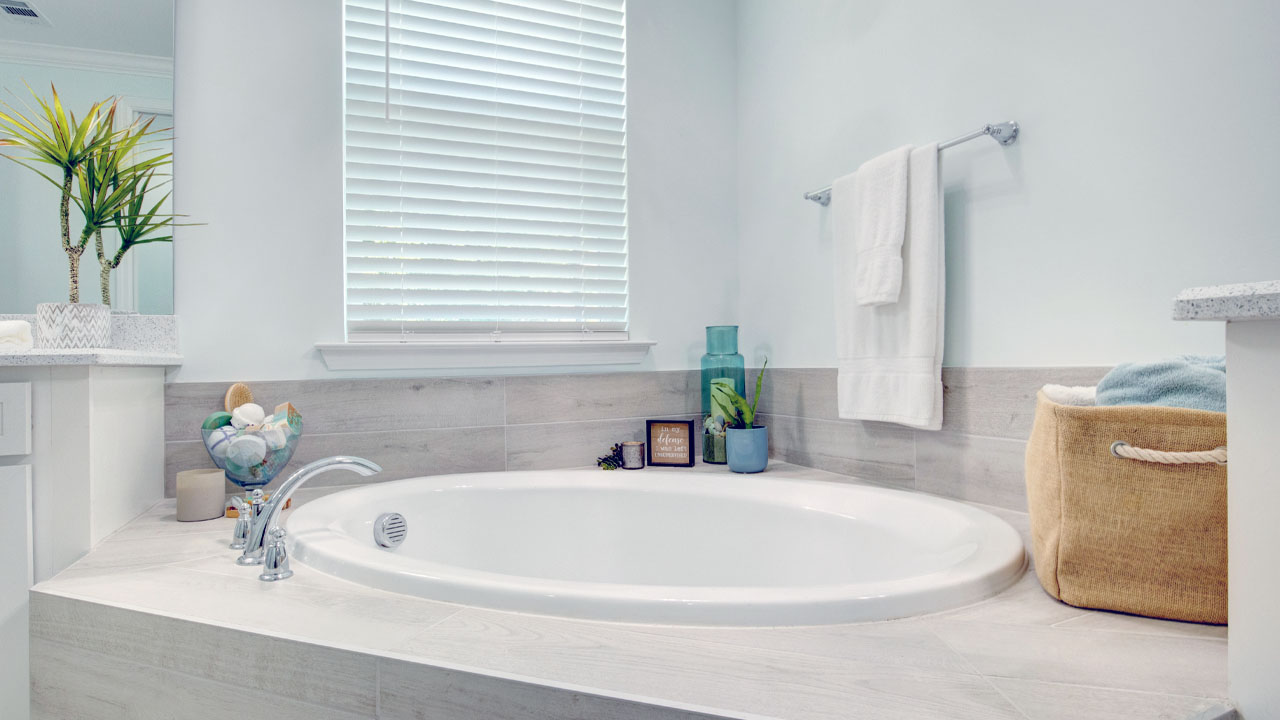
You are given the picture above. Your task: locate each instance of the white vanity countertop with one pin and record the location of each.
(136, 341)
(1020, 655)
(92, 356)
(1240, 301)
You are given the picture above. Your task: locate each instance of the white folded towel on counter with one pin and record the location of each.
(15, 336)
(873, 221)
(890, 355)
(1077, 395)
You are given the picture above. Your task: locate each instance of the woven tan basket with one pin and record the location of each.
(1120, 533)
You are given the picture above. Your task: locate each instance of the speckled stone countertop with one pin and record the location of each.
(1240, 301)
(160, 603)
(92, 356)
(136, 341)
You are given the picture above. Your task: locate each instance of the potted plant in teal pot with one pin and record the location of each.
(746, 443)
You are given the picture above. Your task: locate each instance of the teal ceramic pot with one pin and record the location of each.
(748, 449)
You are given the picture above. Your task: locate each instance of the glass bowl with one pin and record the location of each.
(255, 461)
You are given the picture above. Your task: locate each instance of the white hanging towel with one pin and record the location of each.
(877, 221)
(890, 355)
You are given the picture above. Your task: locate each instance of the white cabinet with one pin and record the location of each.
(15, 579)
(1253, 503)
(96, 454)
(1252, 314)
(94, 460)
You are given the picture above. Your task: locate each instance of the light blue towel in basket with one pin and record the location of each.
(1189, 381)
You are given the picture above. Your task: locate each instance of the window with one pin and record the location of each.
(485, 170)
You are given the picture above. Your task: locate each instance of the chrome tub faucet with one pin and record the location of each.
(265, 522)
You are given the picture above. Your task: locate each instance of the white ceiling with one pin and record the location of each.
(139, 27)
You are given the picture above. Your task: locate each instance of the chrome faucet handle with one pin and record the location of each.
(276, 565)
(240, 535)
(254, 508)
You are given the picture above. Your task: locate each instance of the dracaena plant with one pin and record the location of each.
(107, 172)
(113, 193)
(137, 225)
(49, 135)
(725, 401)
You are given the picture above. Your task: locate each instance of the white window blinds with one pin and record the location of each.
(485, 169)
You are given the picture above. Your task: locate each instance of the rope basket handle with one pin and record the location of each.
(1125, 451)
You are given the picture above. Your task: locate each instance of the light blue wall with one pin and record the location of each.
(1147, 164)
(261, 282)
(34, 267)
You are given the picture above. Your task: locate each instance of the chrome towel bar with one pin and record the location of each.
(1005, 133)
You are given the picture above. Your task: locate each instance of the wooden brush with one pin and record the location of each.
(237, 395)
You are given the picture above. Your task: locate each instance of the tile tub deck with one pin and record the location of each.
(158, 616)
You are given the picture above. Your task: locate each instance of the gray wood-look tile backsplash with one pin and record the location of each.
(431, 426)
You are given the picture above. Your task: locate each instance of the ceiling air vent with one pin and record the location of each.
(23, 12)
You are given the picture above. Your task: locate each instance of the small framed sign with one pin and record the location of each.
(670, 443)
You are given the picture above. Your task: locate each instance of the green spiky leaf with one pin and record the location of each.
(756, 400)
(727, 403)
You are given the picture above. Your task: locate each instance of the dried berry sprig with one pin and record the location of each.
(613, 460)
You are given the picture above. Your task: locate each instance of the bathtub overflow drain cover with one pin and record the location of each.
(389, 530)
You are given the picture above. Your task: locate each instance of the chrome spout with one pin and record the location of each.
(255, 542)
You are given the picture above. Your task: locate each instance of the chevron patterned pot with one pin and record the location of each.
(72, 325)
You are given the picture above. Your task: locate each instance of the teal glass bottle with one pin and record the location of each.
(721, 361)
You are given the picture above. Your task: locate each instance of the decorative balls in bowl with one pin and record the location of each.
(251, 447)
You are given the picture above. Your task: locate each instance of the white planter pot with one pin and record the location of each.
(72, 325)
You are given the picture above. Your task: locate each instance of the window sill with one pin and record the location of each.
(440, 356)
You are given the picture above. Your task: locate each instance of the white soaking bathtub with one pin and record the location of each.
(661, 546)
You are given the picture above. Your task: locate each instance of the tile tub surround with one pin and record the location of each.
(977, 455)
(430, 426)
(161, 612)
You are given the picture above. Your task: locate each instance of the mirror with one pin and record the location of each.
(89, 51)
